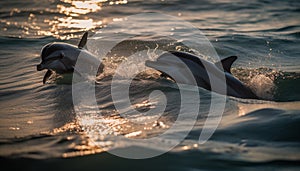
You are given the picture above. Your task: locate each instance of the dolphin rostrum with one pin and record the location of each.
(61, 57)
(174, 63)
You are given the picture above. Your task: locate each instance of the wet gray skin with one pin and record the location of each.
(61, 57)
(178, 64)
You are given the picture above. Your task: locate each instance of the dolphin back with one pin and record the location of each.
(202, 71)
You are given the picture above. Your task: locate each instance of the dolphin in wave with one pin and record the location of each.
(176, 65)
(61, 57)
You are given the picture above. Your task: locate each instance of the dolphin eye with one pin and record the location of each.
(62, 55)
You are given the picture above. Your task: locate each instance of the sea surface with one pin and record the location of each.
(41, 128)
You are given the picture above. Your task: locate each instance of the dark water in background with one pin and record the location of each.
(38, 121)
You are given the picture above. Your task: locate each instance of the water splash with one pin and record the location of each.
(262, 86)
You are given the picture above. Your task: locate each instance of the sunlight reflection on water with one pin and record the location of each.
(74, 17)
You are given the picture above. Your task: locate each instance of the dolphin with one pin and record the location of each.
(61, 57)
(174, 64)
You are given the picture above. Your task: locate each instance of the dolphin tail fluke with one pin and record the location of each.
(46, 76)
(83, 40)
(226, 63)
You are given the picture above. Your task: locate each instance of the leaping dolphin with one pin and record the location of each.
(201, 70)
(61, 57)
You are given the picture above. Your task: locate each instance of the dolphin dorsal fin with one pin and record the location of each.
(83, 40)
(226, 63)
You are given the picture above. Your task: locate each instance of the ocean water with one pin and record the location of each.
(40, 128)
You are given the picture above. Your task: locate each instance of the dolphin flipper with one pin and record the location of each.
(83, 40)
(46, 76)
(226, 63)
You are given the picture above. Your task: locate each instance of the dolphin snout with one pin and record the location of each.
(156, 64)
(39, 67)
(149, 63)
(152, 64)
